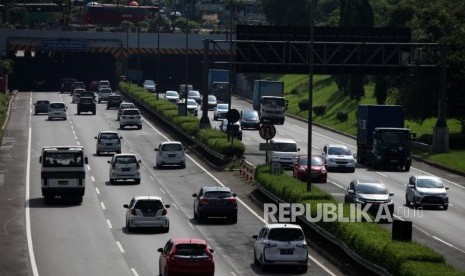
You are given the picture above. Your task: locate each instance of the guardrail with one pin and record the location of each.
(372, 268)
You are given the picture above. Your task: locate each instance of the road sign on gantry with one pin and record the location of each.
(267, 131)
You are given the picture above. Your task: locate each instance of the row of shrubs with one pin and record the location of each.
(212, 138)
(3, 111)
(369, 240)
(320, 110)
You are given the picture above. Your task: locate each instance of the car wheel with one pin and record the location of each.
(139, 126)
(94, 112)
(233, 219)
(128, 226)
(98, 153)
(121, 126)
(137, 181)
(196, 216)
(353, 170)
(183, 166)
(112, 181)
(407, 202)
(445, 207)
(48, 199)
(324, 180)
(304, 268)
(407, 168)
(263, 267)
(119, 151)
(215, 118)
(166, 229)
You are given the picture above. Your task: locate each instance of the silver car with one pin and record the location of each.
(147, 211)
(170, 153)
(123, 106)
(172, 96)
(108, 141)
(104, 93)
(426, 190)
(124, 166)
(338, 158)
(57, 110)
(220, 111)
(130, 117)
(281, 244)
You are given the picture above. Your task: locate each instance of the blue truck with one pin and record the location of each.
(218, 84)
(382, 139)
(268, 100)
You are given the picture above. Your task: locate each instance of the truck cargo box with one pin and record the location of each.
(372, 116)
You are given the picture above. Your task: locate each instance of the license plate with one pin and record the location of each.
(109, 144)
(125, 169)
(171, 155)
(287, 251)
(63, 182)
(131, 117)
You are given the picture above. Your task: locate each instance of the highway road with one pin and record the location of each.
(442, 230)
(91, 239)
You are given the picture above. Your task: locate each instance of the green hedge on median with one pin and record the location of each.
(212, 138)
(369, 240)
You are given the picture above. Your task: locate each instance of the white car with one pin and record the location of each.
(123, 106)
(220, 111)
(77, 94)
(108, 141)
(338, 158)
(192, 107)
(172, 96)
(170, 153)
(104, 93)
(281, 244)
(57, 110)
(150, 86)
(130, 117)
(124, 166)
(147, 211)
(285, 152)
(426, 190)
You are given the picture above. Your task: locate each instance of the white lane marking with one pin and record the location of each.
(282, 133)
(120, 247)
(97, 191)
(109, 224)
(299, 127)
(134, 272)
(298, 140)
(448, 244)
(151, 178)
(337, 185)
(421, 230)
(446, 180)
(93, 179)
(103, 205)
(174, 205)
(32, 258)
(399, 218)
(191, 225)
(382, 174)
(239, 200)
(78, 142)
(232, 273)
(88, 167)
(163, 191)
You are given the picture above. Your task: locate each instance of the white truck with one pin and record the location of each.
(63, 173)
(268, 100)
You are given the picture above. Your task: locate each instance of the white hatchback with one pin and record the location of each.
(57, 110)
(124, 166)
(281, 244)
(147, 211)
(170, 153)
(130, 117)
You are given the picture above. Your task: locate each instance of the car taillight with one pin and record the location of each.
(133, 212)
(231, 200)
(164, 212)
(203, 201)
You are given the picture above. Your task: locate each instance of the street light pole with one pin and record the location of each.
(158, 60)
(310, 102)
(186, 70)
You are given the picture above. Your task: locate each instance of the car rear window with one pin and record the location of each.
(191, 249)
(286, 234)
(126, 159)
(145, 205)
(86, 100)
(42, 102)
(57, 105)
(131, 112)
(218, 194)
(105, 90)
(108, 136)
(124, 106)
(172, 147)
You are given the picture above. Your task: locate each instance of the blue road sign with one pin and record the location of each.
(64, 44)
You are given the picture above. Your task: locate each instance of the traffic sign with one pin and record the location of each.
(233, 116)
(267, 131)
(64, 44)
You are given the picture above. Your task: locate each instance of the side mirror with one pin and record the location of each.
(298, 149)
(447, 187)
(139, 161)
(156, 149)
(234, 194)
(391, 194)
(95, 137)
(121, 137)
(109, 162)
(211, 250)
(86, 160)
(126, 206)
(167, 205)
(194, 195)
(160, 250)
(255, 237)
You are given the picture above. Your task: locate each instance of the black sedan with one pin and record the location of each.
(41, 106)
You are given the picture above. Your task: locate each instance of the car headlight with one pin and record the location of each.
(331, 160)
(359, 200)
(351, 161)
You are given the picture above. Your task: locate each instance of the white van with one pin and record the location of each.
(284, 151)
(57, 110)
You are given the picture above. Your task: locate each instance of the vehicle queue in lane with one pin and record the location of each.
(108, 116)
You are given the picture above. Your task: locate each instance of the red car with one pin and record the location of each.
(186, 256)
(318, 169)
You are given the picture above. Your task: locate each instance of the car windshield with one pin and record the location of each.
(172, 147)
(191, 249)
(109, 136)
(106, 90)
(218, 194)
(211, 98)
(286, 234)
(273, 102)
(372, 189)
(193, 93)
(430, 183)
(171, 94)
(191, 102)
(250, 114)
(86, 100)
(285, 147)
(392, 138)
(42, 102)
(222, 107)
(303, 160)
(149, 82)
(124, 106)
(60, 159)
(131, 112)
(125, 159)
(115, 98)
(339, 151)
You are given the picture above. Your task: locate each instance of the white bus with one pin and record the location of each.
(63, 173)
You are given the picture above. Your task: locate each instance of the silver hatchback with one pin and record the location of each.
(130, 117)
(124, 166)
(108, 141)
(147, 211)
(170, 153)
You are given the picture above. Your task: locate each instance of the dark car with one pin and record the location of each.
(41, 106)
(318, 169)
(88, 94)
(93, 86)
(212, 102)
(234, 129)
(67, 85)
(215, 201)
(250, 119)
(114, 100)
(372, 192)
(79, 84)
(181, 256)
(195, 95)
(86, 104)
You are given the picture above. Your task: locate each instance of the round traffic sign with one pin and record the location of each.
(267, 131)
(233, 116)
